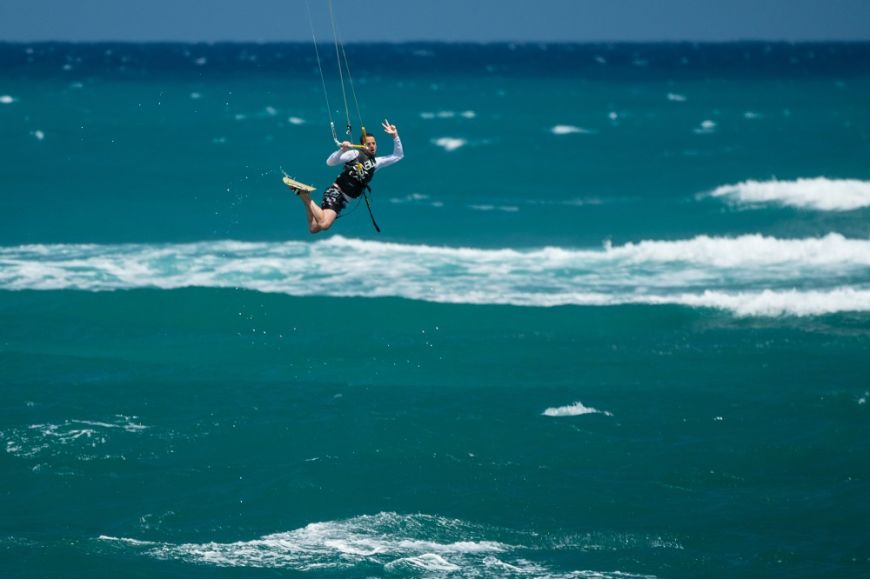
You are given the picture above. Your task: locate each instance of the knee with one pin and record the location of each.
(313, 228)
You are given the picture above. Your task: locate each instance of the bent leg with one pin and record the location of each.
(318, 219)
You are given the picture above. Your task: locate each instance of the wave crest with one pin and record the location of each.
(818, 193)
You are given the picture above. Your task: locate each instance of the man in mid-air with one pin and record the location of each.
(359, 168)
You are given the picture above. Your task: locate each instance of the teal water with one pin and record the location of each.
(616, 324)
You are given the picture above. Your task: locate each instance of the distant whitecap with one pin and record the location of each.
(490, 207)
(676, 97)
(38, 134)
(6, 99)
(447, 114)
(410, 198)
(706, 126)
(568, 130)
(296, 120)
(573, 410)
(450, 143)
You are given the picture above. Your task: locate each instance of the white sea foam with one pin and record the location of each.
(71, 437)
(748, 275)
(705, 127)
(568, 130)
(130, 541)
(416, 198)
(449, 143)
(448, 114)
(6, 99)
(38, 134)
(296, 120)
(490, 207)
(817, 193)
(391, 540)
(676, 97)
(403, 545)
(777, 303)
(573, 410)
(428, 563)
(410, 198)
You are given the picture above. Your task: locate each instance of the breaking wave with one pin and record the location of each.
(388, 543)
(749, 275)
(819, 194)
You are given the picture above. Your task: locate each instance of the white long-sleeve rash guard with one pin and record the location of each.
(340, 158)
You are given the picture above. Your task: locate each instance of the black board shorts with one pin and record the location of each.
(333, 199)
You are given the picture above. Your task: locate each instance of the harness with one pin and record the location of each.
(356, 175)
(354, 180)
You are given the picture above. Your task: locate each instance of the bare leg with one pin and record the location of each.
(318, 219)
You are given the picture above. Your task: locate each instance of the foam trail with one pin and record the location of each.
(750, 275)
(819, 193)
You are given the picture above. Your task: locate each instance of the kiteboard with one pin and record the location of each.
(298, 186)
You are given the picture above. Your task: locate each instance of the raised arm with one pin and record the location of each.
(398, 152)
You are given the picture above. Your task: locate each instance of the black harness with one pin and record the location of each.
(357, 174)
(354, 180)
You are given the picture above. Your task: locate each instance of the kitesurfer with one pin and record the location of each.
(359, 168)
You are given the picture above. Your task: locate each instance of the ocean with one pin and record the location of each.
(616, 323)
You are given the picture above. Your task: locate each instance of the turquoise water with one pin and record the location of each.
(616, 324)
